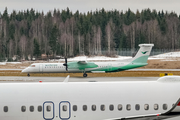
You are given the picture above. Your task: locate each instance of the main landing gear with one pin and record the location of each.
(28, 75)
(84, 75)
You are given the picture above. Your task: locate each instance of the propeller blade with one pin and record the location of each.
(66, 60)
(65, 64)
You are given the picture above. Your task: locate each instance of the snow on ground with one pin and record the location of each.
(98, 58)
(170, 56)
(2, 63)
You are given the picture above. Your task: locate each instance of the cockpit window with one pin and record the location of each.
(33, 66)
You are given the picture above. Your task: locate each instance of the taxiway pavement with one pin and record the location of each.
(73, 79)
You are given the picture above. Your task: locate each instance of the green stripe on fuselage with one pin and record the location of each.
(142, 59)
(139, 62)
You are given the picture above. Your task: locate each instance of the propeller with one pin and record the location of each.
(65, 64)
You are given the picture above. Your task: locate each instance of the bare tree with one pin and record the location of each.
(23, 46)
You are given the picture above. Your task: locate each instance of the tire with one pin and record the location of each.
(84, 75)
(28, 75)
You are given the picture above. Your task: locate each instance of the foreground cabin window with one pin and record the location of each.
(146, 107)
(111, 107)
(137, 107)
(84, 107)
(48, 108)
(74, 107)
(93, 107)
(39, 108)
(31, 108)
(5, 108)
(164, 106)
(120, 107)
(128, 107)
(156, 107)
(102, 107)
(23, 108)
(64, 107)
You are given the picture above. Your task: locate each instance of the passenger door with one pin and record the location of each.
(48, 110)
(64, 110)
(40, 68)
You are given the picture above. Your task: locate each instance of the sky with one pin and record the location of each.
(90, 5)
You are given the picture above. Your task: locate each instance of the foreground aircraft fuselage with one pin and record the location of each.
(85, 67)
(90, 100)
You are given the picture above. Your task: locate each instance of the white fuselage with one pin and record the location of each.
(104, 100)
(60, 68)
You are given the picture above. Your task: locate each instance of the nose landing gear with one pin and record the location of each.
(28, 75)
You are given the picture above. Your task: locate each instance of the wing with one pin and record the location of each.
(162, 116)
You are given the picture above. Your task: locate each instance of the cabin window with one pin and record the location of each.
(39, 108)
(85, 107)
(111, 107)
(93, 107)
(48, 108)
(102, 107)
(137, 107)
(74, 107)
(120, 107)
(128, 107)
(164, 106)
(156, 106)
(31, 108)
(146, 107)
(64, 107)
(23, 108)
(5, 108)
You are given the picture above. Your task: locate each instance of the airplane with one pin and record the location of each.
(125, 100)
(85, 67)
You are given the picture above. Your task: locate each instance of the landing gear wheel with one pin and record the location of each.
(84, 75)
(28, 75)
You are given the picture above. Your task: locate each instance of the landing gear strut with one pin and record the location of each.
(28, 75)
(84, 75)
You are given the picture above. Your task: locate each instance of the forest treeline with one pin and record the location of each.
(31, 33)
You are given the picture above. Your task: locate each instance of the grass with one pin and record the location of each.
(115, 74)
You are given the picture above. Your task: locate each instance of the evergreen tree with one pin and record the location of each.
(37, 51)
(53, 39)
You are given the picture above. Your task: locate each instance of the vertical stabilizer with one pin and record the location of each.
(143, 53)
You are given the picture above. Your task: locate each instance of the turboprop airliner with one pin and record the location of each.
(126, 100)
(95, 67)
